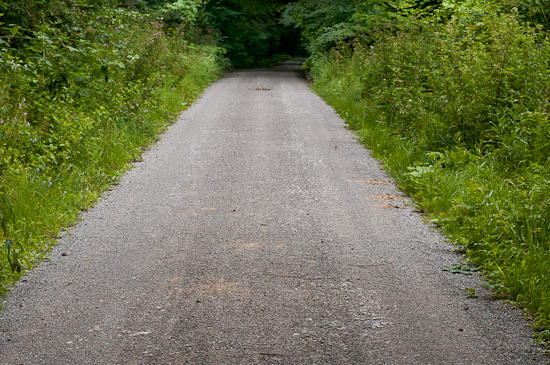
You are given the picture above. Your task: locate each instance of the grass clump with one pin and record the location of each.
(83, 90)
(457, 109)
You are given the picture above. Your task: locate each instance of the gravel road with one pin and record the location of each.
(258, 230)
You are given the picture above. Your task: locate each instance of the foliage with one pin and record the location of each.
(188, 9)
(456, 104)
(182, 14)
(533, 11)
(322, 23)
(325, 24)
(250, 31)
(83, 89)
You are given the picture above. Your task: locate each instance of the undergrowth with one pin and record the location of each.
(458, 112)
(81, 95)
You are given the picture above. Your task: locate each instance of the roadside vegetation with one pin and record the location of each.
(85, 86)
(453, 97)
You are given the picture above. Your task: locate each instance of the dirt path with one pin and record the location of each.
(258, 230)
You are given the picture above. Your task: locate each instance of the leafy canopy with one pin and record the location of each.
(250, 29)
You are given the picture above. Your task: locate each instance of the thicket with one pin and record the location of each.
(454, 97)
(250, 31)
(84, 87)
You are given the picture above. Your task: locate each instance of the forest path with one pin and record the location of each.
(258, 230)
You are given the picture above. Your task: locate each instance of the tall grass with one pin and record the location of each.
(458, 112)
(78, 103)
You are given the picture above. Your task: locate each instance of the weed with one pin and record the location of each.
(471, 293)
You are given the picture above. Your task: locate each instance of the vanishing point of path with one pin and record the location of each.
(257, 231)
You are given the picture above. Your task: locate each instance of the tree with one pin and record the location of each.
(250, 29)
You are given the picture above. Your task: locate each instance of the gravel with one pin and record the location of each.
(258, 230)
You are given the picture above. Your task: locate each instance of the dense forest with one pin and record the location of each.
(452, 96)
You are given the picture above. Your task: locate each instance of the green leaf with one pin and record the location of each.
(448, 4)
(14, 30)
(471, 293)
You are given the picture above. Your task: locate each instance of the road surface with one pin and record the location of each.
(258, 230)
